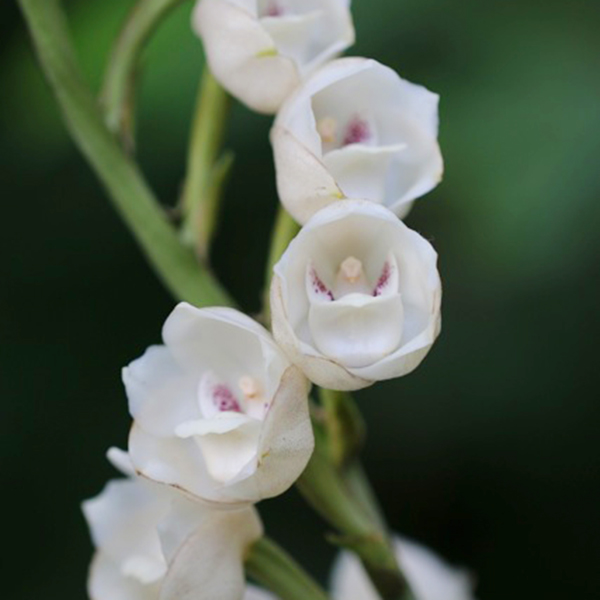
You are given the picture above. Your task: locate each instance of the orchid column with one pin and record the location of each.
(222, 410)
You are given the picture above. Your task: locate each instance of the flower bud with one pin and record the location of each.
(429, 577)
(219, 411)
(152, 543)
(356, 297)
(260, 50)
(355, 129)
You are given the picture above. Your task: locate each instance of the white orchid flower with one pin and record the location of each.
(355, 129)
(152, 543)
(260, 50)
(219, 410)
(356, 297)
(428, 575)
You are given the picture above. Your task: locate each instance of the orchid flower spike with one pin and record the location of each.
(355, 129)
(260, 50)
(152, 543)
(220, 412)
(429, 577)
(356, 297)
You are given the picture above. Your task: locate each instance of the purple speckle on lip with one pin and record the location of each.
(384, 279)
(318, 286)
(273, 10)
(225, 400)
(357, 132)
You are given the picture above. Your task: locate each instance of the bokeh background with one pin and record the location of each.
(489, 452)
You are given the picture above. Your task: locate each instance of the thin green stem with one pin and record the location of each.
(134, 200)
(323, 486)
(273, 568)
(118, 91)
(205, 173)
(284, 231)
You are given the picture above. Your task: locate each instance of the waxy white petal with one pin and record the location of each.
(209, 563)
(260, 56)
(349, 345)
(429, 576)
(395, 159)
(357, 330)
(247, 435)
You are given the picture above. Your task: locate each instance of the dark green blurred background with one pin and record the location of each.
(489, 452)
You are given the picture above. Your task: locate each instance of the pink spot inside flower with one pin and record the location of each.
(318, 286)
(225, 400)
(357, 132)
(384, 279)
(273, 10)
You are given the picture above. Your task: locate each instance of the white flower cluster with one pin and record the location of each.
(220, 410)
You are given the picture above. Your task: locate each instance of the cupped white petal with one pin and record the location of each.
(161, 393)
(349, 345)
(255, 593)
(395, 159)
(107, 582)
(221, 340)
(122, 520)
(318, 368)
(121, 461)
(174, 462)
(357, 330)
(228, 443)
(243, 56)
(209, 562)
(304, 184)
(285, 445)
(428, 575)
(364, 171)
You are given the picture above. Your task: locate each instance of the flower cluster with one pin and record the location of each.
(220, 409)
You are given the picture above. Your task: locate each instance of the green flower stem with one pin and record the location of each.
(324, 487)
(118, 91)
(284, 231)
(205, 172)
(274, 569)
(176, 265)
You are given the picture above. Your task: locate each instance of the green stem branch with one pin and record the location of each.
(324, 487)
(118, 91)
(284, 231)
(134, 200)
(205, 173)
(276, 570)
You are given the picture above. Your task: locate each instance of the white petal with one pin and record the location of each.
(173, 462)
(209, 564)
(363, 171)
(402, 113)
(255, 593)
(285, 446)
(429, 576)
(221, 340)
(106, 582)
(368, 232)
(161, 393)
(228, 450)
(122, 521)
(319, 369)
(120, 460)
(357, 330)
(304, 185)
(243, 57)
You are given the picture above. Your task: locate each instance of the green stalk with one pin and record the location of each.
(284, 231)
(132, 197)
(273, 568)
(205, 173)
(323, 486)
(118, 91)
